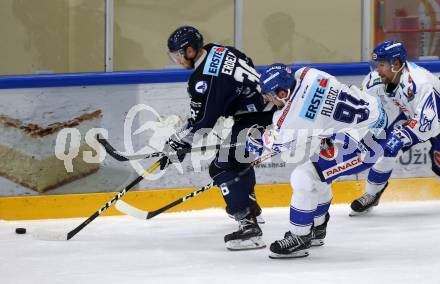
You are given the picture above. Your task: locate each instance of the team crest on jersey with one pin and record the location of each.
(437, 158)
(410, 94)
(251, 108)
(201, 87)
(412, 123)
(328, 153)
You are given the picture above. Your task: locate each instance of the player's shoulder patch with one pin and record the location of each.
(201, 87)
(408, 87)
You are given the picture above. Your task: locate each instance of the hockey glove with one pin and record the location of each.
(397, 140)
(175, 150)
(254, 141)
(259, 141)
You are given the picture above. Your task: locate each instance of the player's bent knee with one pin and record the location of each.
(301, 179)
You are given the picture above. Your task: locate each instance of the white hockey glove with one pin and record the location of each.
(259, 142)
(254, 141)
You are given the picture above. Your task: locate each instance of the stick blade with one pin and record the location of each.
(129, 210)
(46, 235)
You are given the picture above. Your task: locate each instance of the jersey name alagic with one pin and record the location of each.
(320, 102)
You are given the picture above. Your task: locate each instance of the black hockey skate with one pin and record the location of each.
(292, 246)
(319, 232)
(248, 236)
(365, 203)
(255, 209)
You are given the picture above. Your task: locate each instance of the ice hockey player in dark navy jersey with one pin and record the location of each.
(224, 83)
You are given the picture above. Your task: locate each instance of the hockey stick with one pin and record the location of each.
(123, 158)
(130, 210)
(60, 236)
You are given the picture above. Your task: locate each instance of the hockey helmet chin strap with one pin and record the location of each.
(285, 99)
(396, 72)
(191, 60)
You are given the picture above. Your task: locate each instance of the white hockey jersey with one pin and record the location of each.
(321, 103)
(417, 95)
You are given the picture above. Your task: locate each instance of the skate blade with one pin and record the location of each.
(355, 213)
(317, 242)
(296, 254)
(260, 220)
(252, 243)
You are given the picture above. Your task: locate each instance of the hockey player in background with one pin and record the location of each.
(223, 83)
(411, 94)
(340, 115)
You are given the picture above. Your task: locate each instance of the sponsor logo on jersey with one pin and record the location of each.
(313, 101)
(201, 87)
(214, 60)
(343, 167)
(411, 124)
(229, 64)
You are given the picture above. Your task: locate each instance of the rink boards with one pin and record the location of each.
(275, 195)
(162, 104)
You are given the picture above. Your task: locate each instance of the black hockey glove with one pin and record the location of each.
(175, 150)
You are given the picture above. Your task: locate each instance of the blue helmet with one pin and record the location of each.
(183, 37)
(388, 51)
(276, 76)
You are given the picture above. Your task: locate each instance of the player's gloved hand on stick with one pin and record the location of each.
(176, 150)
(397, 140)
(254, 140)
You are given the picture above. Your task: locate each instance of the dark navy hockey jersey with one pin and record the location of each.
(224, 83)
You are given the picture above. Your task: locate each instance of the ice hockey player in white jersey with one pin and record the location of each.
(317, 102)
(414, 91)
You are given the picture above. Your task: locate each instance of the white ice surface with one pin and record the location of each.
(397, 243)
